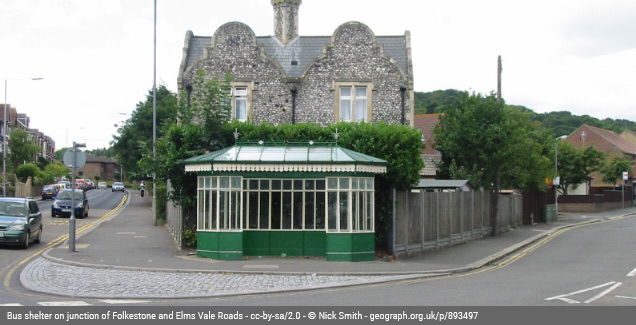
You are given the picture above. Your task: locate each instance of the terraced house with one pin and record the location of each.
(296, 198)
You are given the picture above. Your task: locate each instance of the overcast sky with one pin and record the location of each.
(96, 56)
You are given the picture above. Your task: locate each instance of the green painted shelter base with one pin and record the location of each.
(344, 247)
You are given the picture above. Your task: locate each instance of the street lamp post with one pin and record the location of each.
(556, 176)
(6, 137)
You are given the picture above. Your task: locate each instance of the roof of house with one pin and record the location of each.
(613, 138)
(426, 124)
(301, 52)
(95, 159)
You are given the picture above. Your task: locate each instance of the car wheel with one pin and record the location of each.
(27, 239)
(39, 237)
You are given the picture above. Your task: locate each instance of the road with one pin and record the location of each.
(55, 231)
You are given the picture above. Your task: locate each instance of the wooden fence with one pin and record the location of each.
(427, 221)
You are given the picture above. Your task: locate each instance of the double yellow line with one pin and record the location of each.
(62, 239)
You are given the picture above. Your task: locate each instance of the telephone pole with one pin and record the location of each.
(499, 69)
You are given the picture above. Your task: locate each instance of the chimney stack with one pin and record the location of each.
(286, 19)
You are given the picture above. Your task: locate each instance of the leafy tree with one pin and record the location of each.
(135, 136)
(613, 171)
(22, 147)
(492, 145)
(57, 170)
(575, 165)
(27, 170)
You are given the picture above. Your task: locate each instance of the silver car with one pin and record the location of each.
(117, 186)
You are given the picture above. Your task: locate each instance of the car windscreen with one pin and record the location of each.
(15, 209)
(66, 195)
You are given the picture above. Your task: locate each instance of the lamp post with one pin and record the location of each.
(556, 174)
(6, 137)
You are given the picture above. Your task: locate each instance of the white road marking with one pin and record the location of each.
(64, 303)
(124, 301)
(625, 297)
(613, 285)
(632, 273)
(10, 305)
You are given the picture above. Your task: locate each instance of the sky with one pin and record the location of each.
(95, 57)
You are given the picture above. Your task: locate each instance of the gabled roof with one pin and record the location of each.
(280, 157)
(443, 183)
(298, 54)
(613, 138)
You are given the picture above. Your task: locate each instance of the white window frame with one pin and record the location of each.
(353, 99)
(248, 87)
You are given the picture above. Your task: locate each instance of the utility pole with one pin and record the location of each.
(499, 69)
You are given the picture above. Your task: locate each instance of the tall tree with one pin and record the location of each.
(22, 147)
(491, 144)
(613, 171)
(135, 135)
(575, 165)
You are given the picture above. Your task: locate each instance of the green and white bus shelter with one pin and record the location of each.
(285, 199)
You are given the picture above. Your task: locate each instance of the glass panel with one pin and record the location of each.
(344, 183)
(253, 210)
(354, 211)
(345, 103)
(208, 182)
(287, 210)
(241, 109)
(309, 184)
(273, 154)
(213, 209)
(332, 183)
(320, 184)
(298, 210)
(319, 154)
(361, 104)
(354, 183)
(264, 211)
(202, 221)
(249, 153)
(287, 185)
(224, 206)
(370, 183)
(370, 212)
(253, 184)
(333, 211)
(309, 210)
(296, 154)
(320, 210)
(236, 182)
(224, 182)
(264, 184)
(298, 185)
(276, 210)
(344, 211)
(235, 210)
(214, 182)
(276, 184)
(200, 182)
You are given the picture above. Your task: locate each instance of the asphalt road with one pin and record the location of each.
(55, 231)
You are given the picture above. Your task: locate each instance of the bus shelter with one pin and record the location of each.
(285, 199)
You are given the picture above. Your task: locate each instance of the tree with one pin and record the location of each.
(613, 171)
(575, 165)
(27, 170)
(135, 136)
(22, 147)
(492, 145)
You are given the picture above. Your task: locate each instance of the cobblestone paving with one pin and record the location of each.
(43, 275)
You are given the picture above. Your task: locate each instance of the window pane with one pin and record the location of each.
(224, 207)
(264, 211)
(344, 211)
(235, 210)
(264, 184)
(361, 109)
(202, 220)
(309, 210)
(345, 103)
(287, 210)
(236, 182)
(276, 210)
(298, 210)
(276, 184)
(344, 183)
(320, 210)
(253, 210)
(333, 210)
(213, 208)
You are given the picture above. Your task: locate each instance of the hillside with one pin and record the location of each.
(561, 122)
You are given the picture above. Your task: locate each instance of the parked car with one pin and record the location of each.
(20, 221)
(49, 192)
(62, 204)
(118, 186)
(66, 184)
(102, 185)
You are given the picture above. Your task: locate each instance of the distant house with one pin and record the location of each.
(426, 124)
(102, 167)
(606, 141)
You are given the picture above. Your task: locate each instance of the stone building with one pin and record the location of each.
(352, 75)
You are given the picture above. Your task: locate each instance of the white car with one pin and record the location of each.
(102, 185)
(117, 186)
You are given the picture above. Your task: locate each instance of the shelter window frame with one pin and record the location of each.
(351, 204)
(219, 203)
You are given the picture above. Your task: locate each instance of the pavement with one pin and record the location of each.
(126, 256)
